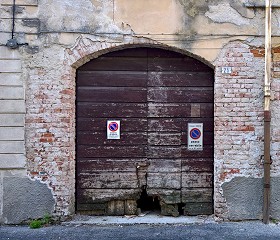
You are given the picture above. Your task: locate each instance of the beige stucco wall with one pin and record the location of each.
(63, 34)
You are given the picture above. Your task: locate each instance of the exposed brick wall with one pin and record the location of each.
(275, 105)
(50, 123)
(238, 117)
(50, 118)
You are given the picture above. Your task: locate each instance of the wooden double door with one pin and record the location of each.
(154, 93)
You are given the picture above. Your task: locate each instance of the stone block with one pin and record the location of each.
(11, 133)
(116, 208)
(10, 66)
(9, 147)
(197, 195)
(275, 198)
(10, 79)
(6, 53)
(9, 93)
(21, 2)
(244, 197)
(131, 207)
(12, 106)
(193, 209)
(25, 199)
(4, 37)
(12, 161)
(13, 120)
(169, 209)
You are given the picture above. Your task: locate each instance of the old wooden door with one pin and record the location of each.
(155, 94)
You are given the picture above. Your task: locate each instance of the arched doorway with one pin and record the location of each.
(154, 94)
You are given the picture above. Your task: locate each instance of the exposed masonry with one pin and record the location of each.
(50, 120)
(49, 135)
(51, 116)
(238, 118)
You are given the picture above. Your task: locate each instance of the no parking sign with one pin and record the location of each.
(113, 129)
(195, 136)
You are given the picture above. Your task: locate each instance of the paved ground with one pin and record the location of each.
(210, 231)
(127, 228)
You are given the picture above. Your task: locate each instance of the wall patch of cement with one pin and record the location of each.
(244, 198)
(275, 198)
(25, 199)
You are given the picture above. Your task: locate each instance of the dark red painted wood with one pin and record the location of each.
(117, 94)
(97, 124)
(100, 138)
(112, 79)
(180, 79)
(91, 151)
(111, 110)
(116, 64)
(180, 95)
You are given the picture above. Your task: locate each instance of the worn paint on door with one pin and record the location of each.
(155, 94)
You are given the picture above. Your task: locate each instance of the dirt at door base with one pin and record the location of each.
(146, 203)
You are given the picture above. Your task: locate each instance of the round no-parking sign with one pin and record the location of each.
(195, 136)
(113, 129)
(113, 126)
(195, 133)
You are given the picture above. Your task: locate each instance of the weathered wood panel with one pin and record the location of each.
(164, 165)
(193, 209)
(100, 138)
(111, 110)
(112, 95)
(116, 64)
(180, 95)
(164, 139)
(197, 195)
(207, 152)
(99, 124)
(177, 110)
(178, 124)
(197, 180)
(104, 195)
(164, 152)
(180, 79)
(164, 181)
(197, 165)
(87, 165)
(88, 151)
(187, 64)
(112, 180)
(112, 78)
(166, 195)
(208, 138)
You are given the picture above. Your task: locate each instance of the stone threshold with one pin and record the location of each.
(150, 218)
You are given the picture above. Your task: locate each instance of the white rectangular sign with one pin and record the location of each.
(226, 70)
(195, 136)
(113, 129)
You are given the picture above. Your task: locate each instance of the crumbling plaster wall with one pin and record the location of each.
(62, 35)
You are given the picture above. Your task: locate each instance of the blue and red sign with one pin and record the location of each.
(195, 136)
(195, 133)
(113, 126)
(113, 129)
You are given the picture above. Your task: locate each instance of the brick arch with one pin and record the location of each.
(86, 49)
(83, 51)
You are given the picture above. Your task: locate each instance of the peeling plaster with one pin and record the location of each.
(228, 15)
